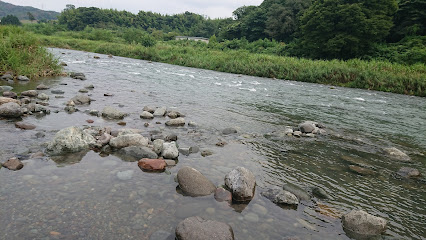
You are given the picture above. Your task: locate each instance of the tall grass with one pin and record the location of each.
(22, 54)
(374, 75)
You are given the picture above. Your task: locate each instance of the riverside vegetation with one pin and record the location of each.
(22, 54)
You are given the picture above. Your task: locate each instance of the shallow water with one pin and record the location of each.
(82, 197)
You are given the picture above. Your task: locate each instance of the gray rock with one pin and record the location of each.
(136, 153)
(57, 91)
(42, 87)
(90, 86)
(43, 96)
(158, 146)
(192, 124)
(30, 93)
(10, 110)
(146, 115)
(5, 88)
(81, 99)
(127, 140)
(397, 154)
(23, 78)
(173, 114)
(7, 77)
(279, 196)
(171, 138)
(197, 228)
(176, 122)
(170, 150)
(149, 109)
(242, 183)
(185, 151)
(360, 222)
(125, 175)
(407, 172)
(228, 131)
(301, 194)
(193, 183)
(36, 108)
(194, 149)
(320, 193)
(307, 127)
(10, 95)
(80, 76)
(206, 153)
(361, 170)
(69, 140)
(159, 112)
(83, 90)
(112, 113)
(297, 133)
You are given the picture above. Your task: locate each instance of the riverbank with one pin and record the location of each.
(373, 75)
(22, 54)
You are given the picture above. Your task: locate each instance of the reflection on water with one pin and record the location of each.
(89, 196)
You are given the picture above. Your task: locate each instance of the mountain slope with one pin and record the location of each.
(21, 12)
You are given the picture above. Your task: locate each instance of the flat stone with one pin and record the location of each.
(397, 154)
(25, 126)
(407, 172)
(83, 90)
(361, 170)
(176, 122)
(10, 95)
(280, 196)
(152, 164)
(197, 228)
(57, 91)
(13, 164)
(29, 93)
(127, 140)
(136, 153)
(42, 87)
(170, 163)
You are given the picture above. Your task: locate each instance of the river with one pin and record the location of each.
(81, 197)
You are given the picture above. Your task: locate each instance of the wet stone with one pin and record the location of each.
(300, 193)
(160, 235)
(25, 126)
(222, 195)
(157, 165)
(361, 170)
(407, 172)
(228, 131)
(200, 229)
(57, 92)
(13, 164)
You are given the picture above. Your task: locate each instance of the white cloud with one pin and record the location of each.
(213, 9)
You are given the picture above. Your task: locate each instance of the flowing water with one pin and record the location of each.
(81, 197)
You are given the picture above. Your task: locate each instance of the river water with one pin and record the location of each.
(81, 197)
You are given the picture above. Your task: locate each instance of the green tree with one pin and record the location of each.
(31, 16)
(344, 29)
(10, 20)
(410, 19)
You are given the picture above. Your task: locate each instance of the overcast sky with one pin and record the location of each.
(213, 9)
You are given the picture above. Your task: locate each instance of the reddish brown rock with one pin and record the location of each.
(90, 121)
(152, 164)
(24, 126)
(222, 195)
(13, 164)
(122, 123)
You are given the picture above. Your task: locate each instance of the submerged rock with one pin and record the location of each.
(397, 154)
(360, 222)
(137, 152)
(301, 194)
(320, 193)
(13, 164)
(25, 126)
(361, 170)
(228, 131)
(10, 110)
(125, 175)
(197, 228)
(221, 195)
(69, 140)
(407, 172)
(193, 183)
(279, 196)
(242, 183)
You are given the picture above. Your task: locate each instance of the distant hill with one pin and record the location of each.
(21, 12)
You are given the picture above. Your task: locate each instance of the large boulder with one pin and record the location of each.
(197, 228)
(280, 196)
(10, 110)
(81, 99)
(69, 140)
(193, 183)
(397, 154)
(176, 122)
(242, 183)
(170, 150)
(360, 222)
(135, 153)
(128, 140)
(112, 113)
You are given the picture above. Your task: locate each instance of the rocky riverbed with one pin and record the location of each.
(142, 150)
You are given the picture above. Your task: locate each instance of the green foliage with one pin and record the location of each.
(410, 19)
(21, 53)
(344, 30)
(21, 12)
(31, 16)
(10, 20)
